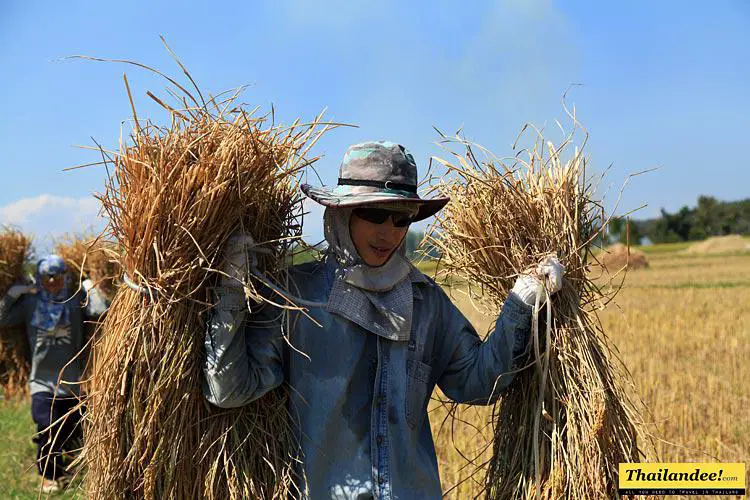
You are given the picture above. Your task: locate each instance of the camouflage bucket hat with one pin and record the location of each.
(376, 172)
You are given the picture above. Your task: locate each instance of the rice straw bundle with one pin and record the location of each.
(15, 354)
(174, 196)
(565, 423)
(90, 257)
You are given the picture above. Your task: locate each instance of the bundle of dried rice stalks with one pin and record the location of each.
(90, 257)
(565, 423)
(174, 196)
(620, 257)
(15, 354)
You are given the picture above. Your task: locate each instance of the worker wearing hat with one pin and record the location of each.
(377, 338)
(53, 314)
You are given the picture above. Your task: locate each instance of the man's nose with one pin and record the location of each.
(386, 229)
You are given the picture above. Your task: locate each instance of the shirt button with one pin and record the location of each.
(381, 480)
(380, 400)
(379, 440)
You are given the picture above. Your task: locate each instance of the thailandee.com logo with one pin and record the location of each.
(682, 479)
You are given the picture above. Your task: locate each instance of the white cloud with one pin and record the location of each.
(48, 216)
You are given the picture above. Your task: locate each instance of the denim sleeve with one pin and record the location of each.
(478, 371)
(12, 311)
(244, 351)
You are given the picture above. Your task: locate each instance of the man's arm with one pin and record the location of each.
(13, 305)
(243, 351)
(477, 371)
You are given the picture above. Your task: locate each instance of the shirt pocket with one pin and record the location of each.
(417, 392)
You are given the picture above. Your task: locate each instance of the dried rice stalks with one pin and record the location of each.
(90, 257)
(15, 354)
(174, 196)
(565, 423)
(619, 257)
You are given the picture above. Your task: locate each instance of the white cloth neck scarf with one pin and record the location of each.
(379, 299)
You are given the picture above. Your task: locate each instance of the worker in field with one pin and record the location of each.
(386, 334)
(54, 314)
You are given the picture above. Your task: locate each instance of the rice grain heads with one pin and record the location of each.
(15, 355)
(566, 420)
(174, 196)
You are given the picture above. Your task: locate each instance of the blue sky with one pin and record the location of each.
(664, 84)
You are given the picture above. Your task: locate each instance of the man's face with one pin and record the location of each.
(376, 242)
(53, 283)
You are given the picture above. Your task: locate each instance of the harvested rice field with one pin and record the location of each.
(682, 327)
(683, 330)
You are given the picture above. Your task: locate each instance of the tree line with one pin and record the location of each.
(710, 217)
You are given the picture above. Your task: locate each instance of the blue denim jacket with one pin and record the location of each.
(54, 353)
(361, 400)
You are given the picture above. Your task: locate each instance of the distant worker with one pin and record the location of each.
(54, 314)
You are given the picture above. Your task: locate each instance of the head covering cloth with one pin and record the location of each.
(374, 174)
(379, 299)
(51, 311)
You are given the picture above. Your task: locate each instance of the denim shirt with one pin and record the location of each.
(360, 400)
(55, 354)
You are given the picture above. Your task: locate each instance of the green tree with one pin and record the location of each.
(412, 242)
(624, 231)
(707, 218)
(615, 228)
(630, 233)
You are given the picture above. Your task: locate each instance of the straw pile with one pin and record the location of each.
(174, 196)
(731, 243)
(621, 257)
(15, 355)
(565, 422)
(89, 257)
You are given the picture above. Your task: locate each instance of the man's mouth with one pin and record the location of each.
(381, 251)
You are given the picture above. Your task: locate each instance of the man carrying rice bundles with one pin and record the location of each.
(360, 385)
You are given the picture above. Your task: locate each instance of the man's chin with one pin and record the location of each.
(375, 261)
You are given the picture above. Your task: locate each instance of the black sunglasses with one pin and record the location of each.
(379, 216)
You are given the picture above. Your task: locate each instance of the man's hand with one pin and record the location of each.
(17, 290)
(548, 274)
(239, 258)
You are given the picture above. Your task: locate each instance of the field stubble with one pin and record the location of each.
(682, 328)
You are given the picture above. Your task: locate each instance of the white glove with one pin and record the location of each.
(549, 270)
(17, 290)
(87, 285)
(239, 258)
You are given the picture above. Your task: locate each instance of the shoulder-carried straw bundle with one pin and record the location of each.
(15, 354)
(88, 257)
(174, 196)
(566, 421)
